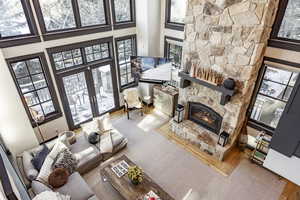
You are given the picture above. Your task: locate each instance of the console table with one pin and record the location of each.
(165, 99)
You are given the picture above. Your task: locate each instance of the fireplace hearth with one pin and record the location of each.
(205, 117)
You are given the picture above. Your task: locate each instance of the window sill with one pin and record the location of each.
(124, 25)
(282, 44)
(48, 119)
(261, 127)
(76, 32)
(17, 41)
(174, 26)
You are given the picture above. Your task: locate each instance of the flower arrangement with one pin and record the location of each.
(135, 174)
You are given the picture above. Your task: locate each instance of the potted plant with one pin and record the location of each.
(135, 175)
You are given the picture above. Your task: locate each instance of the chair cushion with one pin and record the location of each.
(58, 177)
(38, 160)
(131, 96)
(76, 187)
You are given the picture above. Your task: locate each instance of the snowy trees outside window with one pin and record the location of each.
(177, 11)
(58, 14)
(13, 21)
(290, 25)
(123, 10)
(92, 12)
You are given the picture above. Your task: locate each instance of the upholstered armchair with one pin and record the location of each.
(132, 101)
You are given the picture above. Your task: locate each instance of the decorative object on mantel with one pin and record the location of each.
(186, 80)
(223, 139)
(135, 174)
(207, 74)
(179, 113)
(229, 84)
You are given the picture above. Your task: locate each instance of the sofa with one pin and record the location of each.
(88, 155)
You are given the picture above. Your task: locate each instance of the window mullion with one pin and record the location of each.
(76, 13)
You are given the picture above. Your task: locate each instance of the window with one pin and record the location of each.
(66, 59)
(92, 12)
(286, 29)
(97, 52)
(15, 22)
(76, 55)
(273, 93)
(65, 18)
(58, 14)
(175, 14)
(125, 47)
(173, 50)
(35, 86)
(123, 13)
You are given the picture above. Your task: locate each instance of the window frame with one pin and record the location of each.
(168, 23)
(32, 37)
(254, 123)
(76, 31)
(134, 38)
(41, 56)
(167, 46)
(81, 46)
(127, 24)
(279, 42)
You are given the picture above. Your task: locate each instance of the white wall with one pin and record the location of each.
(15, 127)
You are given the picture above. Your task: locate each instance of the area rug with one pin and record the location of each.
(176, 170)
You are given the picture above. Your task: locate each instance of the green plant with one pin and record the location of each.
(135, 174)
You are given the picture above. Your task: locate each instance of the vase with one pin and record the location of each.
(135, 181)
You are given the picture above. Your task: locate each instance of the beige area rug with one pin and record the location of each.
(176, 170)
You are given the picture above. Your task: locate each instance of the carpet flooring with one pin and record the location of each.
(176, 170)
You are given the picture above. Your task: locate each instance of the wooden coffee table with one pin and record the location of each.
(126, 188)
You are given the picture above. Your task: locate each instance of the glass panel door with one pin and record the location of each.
(78, 98)
(104, 89)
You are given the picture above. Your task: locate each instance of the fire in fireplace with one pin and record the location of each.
(205, 117)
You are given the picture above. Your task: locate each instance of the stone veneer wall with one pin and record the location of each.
(228, 36)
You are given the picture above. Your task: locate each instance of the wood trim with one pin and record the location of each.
(57, 114)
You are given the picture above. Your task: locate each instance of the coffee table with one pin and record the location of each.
(127, 190)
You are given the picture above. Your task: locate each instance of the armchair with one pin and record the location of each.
(132, 101)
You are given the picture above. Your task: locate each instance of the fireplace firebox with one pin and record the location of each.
(205, 117)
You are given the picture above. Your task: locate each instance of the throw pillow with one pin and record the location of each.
(45, 170)
(62, 137)
(38, 160)
(93, 138)
(90, 127)
(66, 160)
(58, 147)
(58, 177)
(46, 195)
(104, 123)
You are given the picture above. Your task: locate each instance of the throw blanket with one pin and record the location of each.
(106, 144)
(49, 195)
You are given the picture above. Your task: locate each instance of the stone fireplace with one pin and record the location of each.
(205, 117)
(227, 37)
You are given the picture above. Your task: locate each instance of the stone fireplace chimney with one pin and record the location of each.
(228, 37)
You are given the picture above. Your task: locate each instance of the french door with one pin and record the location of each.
(88, 92)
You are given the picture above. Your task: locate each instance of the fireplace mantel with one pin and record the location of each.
(186, 80)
